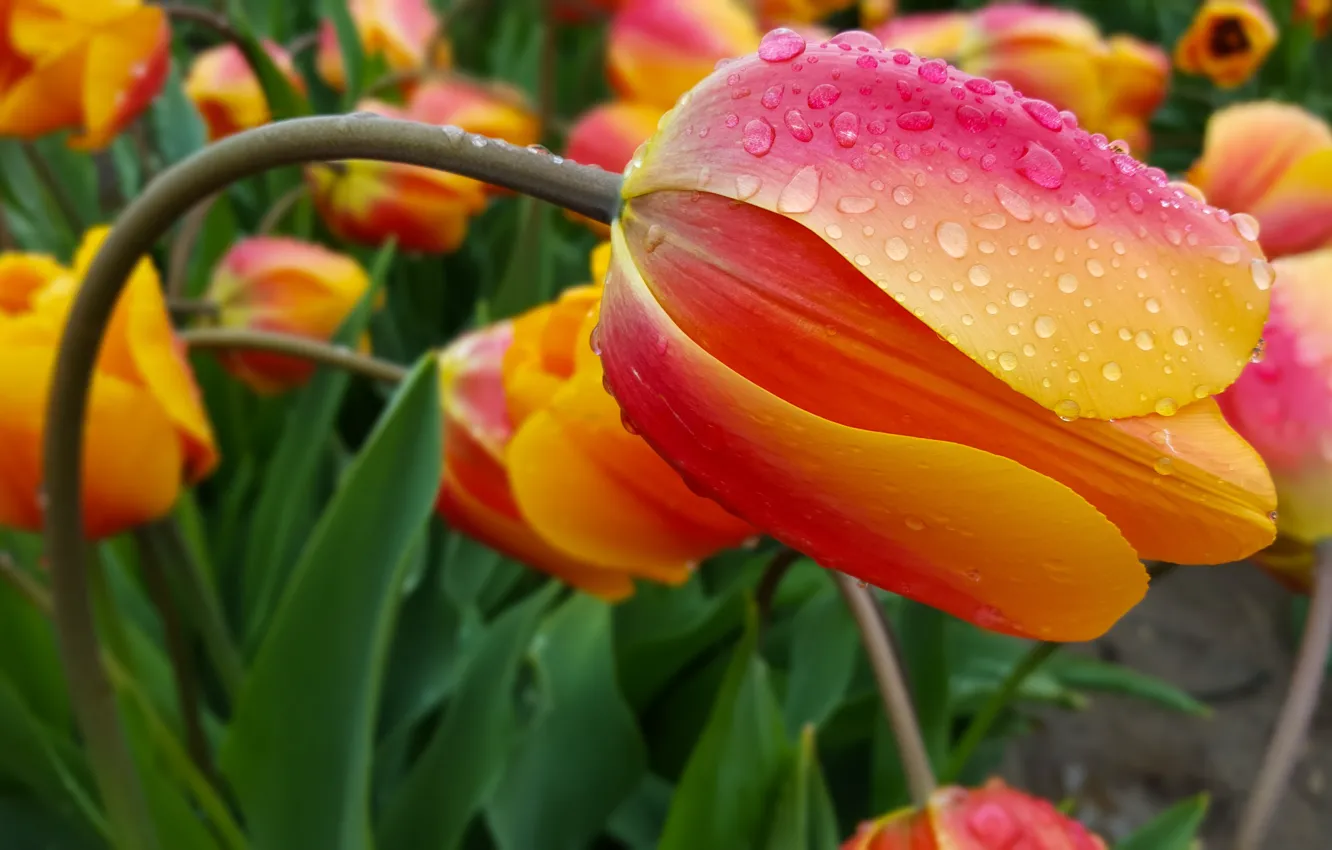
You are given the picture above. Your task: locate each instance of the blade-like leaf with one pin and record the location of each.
(1174, 829)
(1090, 674)
(824, 648)
(804, 818)
(177, 127)
(349, 45)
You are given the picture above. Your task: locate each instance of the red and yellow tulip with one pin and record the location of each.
(538, 465)
(1274, 161)
(994, 817)
(608, 135)
(283, 285)
(400, 32)
(936, 336)
(226, 91)
(424, 209)
(90, 66)
(1316, 13)
(147, 432)
(1227, 41)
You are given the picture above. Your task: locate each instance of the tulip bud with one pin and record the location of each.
(1227, 41)
(226, 91)
(937, 34)
(799, 11)
(146, 431)
(994, 817)
(539, 466)
(1274, 161)
(92, 73)
(400, 32)
(979, 382)
(1317, 13)
(286, 286)
(607, 135)
(1133, 74)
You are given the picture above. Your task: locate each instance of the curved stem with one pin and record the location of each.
(178, 261)
(1306, 682)
(281, 207)
(296, 346)
(984, 720)
(877, 637)
(583, 189)
(773, 574)
(215, 21)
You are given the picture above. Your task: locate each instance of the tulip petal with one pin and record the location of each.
(997, 816)
(974, 534)
(608, 135)
(1296, 212)
(44, 99)
(21, 276)
(1184, 489)
(126, 66)
(992, 219)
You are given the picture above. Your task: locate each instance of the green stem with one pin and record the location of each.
(178, 261)
(51, 182)
(296, 346)
(880, 646)
(984, 720)
(281, 207)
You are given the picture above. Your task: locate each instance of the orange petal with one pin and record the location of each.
(994, 220)
(21, 276)
(226, 91)
(935, 34)
(126, 66)
(1134, 74)
(45, 98)
(1296, 212)
(976, 535)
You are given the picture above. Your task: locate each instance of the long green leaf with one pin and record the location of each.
(804, 818)
(299, 751)
(1174, 829)
(349, 45)
(824, 649)
(176, 123)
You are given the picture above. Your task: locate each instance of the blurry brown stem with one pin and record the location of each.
(51, 182)
(281, 207)
(296, 346)
(773, 574)
(876, 635)
(178, 262)
(1306, 683)
(215, 21)
(25, 584)
(193, 307)
(302, 43)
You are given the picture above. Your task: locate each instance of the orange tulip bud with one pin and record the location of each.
(538, 465)
(800, 11)
(994, 817)
(400, 32)
(978, 384)
(286, 286)
(146, 428)
(226, 91)
(1227, 41)
(1274, 161)
(87, 65)
(658, 49)
(22, 277)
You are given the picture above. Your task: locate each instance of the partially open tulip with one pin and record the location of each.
(994, 817)
(399, 32)
(1274, 161)
(1283, 406)
(90, 66)
(936, 336)
(146, 430)
(424, 209)
(658, 49)
(22, 277)
(287, 286)
(226, 91)
(538, 465)
(1227, 41)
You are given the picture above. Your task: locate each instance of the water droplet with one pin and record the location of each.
(732, 121)
(1094, 327)
(781, 45)
(957, 175)
(795, 122)
(1181, 336)
(1259, 352)
(914, 524)
(1017, 206)
(1125, 334)
(823, 96)
(1111, 371)
(855, 204)
(1095, 268)
(979, 275)
(1040, 167)
(915, 121)
(936, 293)
(987, 162)
(979, 85)
(1018, 298)
(1045, 326)
(902, 57)
(934, 71)
(1263, 274)
(1174, 236)
(772, 98)
(758, 137)
(656, 234)
(1044, 114)
(802, 193)
(1080, 213)
(1067, 409)
(1014, 329)
(897, 249)
(1008, 361)
(1166, 406)
(867, 61)
(990, 221)
(1145, 340)
(1035, 242)
(747, 186)
(971, 119)
(1228, 254)
(952, 238)
(1246, 226)
(846, 129)
(903, 195)
(1164, 466)
(1067, 283)
(909, 223)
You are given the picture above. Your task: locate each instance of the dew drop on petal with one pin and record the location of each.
(1018, 298)
(936, 293)
(1044, 114)
(897, 249)
(802, 193)
(1095, 268)
(758, 137)
(1145, 340)
(990, 221)
(1263, 274)
(1167, 407)
(833, 231)
(772, 98)
(823, 96)
(855, 204)
(1152, 305)
(915, 121)
(1080, 213)
(903, 195)
(1067, 283)
(747, 186)
(952, 238)
(971, 118)
(1008, 361)
(846, 129)
(1228, 254)
(1040, 167)
(914, 524)
(1017, 206)
(980, 85)
(1045, 326)
(795, 122)
(1067, 409)
(1246, 226)
(781, 45)
(979, 275)
(1181, 336)
(934, 71)
(1111, 371)
(1136, 202)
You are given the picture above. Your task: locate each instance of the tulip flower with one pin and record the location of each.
(538, 465)
(424, 209)
(994, 817)
(226, 91)
(874, 13)
(800, 11)
(607, 135)
(146, 429)
(658, 49)
(578, 11)
(22, 277)
(1133, 75)
(1283, 406)
(936, 336)
(285, 286)
(1317, 13)
(1227, 41)
(938, 34)
(400, 32)
(1274, 161)
(91, 66)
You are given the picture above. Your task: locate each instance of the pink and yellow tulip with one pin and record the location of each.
(90, 66)
(227, 93)
(994, 817)
(608, 135)
(538, 465)
(147, 433)
(1274, 161)
(282, 285)
(1227, 42)
(936, 336)
(400, 32)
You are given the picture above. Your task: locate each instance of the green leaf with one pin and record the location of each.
(299, 751)
(1174, 829)
(527, 277)
(36, 756)
(642, 815)
(460, 766)
(292, 470)
(1090, 674)
(583, 720)
(35, 672)
(804, 818)
(177, 127)
(349, 45)
(925, 655)
(28, 825)
(284, 101)
(725, 795)
(824, 648)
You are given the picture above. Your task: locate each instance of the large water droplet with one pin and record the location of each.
(971, 118)
(1067, 283)
(781, 45)
(952, 238)
(802, 193)
(758, 137)
(980, 85)
(1181, 336)
(1017, 206)
(1067, 409)
(823, 95)
(1044, 114)
(1263, 274)
(914, 524)
(1008, 361)
(915, 120)
(747, 186)
(1080, 213)
(1145, 340)
(934, 71)
(856, 38)
(979, 275)
(795, 122)
(846, 129)
(1095, 268)
(903, 195)
(772, 98)
(1045, 326)
(897, 249)
(1246, 226)
(855, 204)
(1018, 298)
(1111, 371)
(1164, 466)
(1040, 167)
(936, 293)
(1228, 254)
(656, 234)
(990, 221)
(1167, 406)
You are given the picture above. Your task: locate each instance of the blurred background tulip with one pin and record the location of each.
(287, 286)
(993, 817)
(1227, 42)
(90, 66)
(1316, 13)
(226, 91)
(786, 12)
(909, 268)
(1273, 161)
(403, 34)
(608, 134)
(538, 464)
(147, 433)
